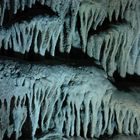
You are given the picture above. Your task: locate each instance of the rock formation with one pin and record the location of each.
(42, 101)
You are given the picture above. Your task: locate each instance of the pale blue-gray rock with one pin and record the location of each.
(59, 98)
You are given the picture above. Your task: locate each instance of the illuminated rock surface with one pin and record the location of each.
(58, 100)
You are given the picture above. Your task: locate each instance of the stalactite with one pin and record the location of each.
(56, 102)
(63, 31)
(62, 101)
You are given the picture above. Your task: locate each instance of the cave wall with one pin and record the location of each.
(62, 65)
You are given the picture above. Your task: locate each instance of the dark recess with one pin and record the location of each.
(125, 83)
(37, 9)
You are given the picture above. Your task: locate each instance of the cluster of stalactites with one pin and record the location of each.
(116, 48)
(41, 95)
(61, 7)
(52, 102)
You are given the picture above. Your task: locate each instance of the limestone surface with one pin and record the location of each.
(55, 101)
(106, 30)
(62, 100)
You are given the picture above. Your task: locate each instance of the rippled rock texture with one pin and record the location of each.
(62, 101)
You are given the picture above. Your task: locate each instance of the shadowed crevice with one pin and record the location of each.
(26, 15)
